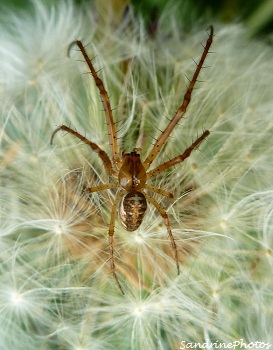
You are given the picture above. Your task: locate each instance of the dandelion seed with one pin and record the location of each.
(139, 239)
(223, 223)
(17, 298)
(60, 229)
(139, 311)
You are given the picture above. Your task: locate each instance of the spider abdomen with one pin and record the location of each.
(132, 209)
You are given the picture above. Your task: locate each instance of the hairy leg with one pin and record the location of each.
(181, 110)
(167, 224)
(112, 134)
(111, 237)
(103, 156)
(178, 159)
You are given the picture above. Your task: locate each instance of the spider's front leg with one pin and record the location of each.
(103, 156)
(112, 133)
(178, 159)
(181, 110)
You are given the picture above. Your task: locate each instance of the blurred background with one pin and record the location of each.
(257, 15)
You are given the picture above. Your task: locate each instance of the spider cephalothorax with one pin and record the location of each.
(130, 172)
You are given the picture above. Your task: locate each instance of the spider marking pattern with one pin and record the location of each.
(129, 172)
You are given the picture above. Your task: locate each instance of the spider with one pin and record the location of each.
(129, 172)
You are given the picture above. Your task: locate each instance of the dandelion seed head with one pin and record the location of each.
(57, 289)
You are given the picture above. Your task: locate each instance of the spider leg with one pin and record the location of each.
(179, 158)
(111, 237)
(102, 187)
(112, 134)
(167, 224)
(158, 190)
(103, 156)
(181, 110)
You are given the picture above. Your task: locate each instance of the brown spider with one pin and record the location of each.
(129, 171)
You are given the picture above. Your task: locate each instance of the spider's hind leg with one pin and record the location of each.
(111, 237)
(168, 226)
